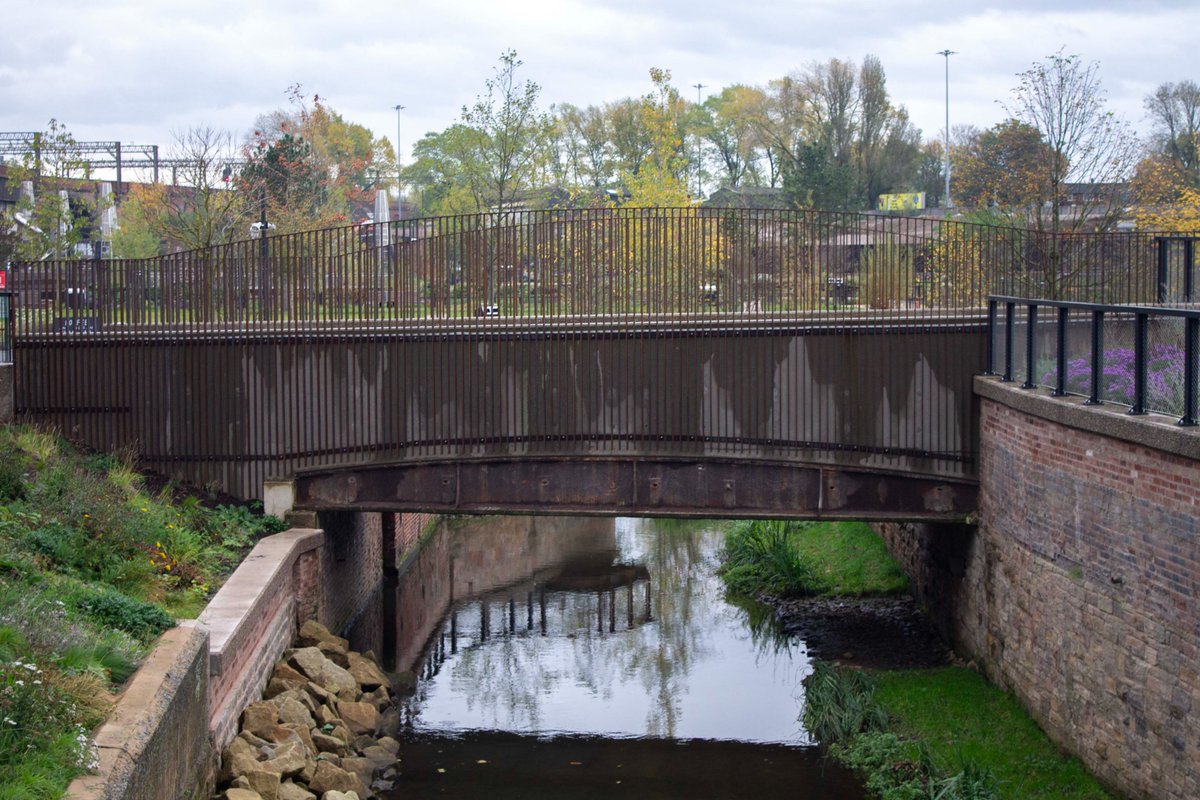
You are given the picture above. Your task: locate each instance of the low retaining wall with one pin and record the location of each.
(253, 619)
(1078, 588)
(183, 705)
(155, 743)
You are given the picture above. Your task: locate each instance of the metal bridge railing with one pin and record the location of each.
(6, 327)
(1144, 357)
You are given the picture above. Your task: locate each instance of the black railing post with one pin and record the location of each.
(1141, 322)
(1060, 355)
(1009, 314)
(1094, 398)
(1191, 352)
(1030, 347)
(1164, 249)
(991, 338)
(1189, 265)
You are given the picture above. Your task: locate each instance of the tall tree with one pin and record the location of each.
(53, 223)
(726, 122)
(510, 127)
(632, 141)
(203, 211)
(659, 181)
(1174, 108)
(1061, 97)
(1000, 167)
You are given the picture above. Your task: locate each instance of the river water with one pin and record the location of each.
(585, 658)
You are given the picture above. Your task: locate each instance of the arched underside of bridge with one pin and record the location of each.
(637, 487)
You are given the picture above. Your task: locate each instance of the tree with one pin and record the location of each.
(1000, 167)
(632, 141)
(1174, 108)
(1062, 99)
(510, 127)
(205, 210)
(442, 172)
(53, 223)
(726, 122)
(1166, 198)
(316, 169)
(659, 180)
(135, 236)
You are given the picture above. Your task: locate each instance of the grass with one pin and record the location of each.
(93, 567)
(957, 714)
(788, 558)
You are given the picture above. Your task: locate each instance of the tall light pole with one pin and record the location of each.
(399, 195)
(947, 203)
(698, 86)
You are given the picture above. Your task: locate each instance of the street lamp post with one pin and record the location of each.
(399, 205)
(698, 86)
(947, 203)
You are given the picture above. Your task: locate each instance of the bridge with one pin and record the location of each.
(712, 362)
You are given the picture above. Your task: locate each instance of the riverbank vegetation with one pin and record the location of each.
(788, 558)
(94, 565)
(944, 734)
(914, 734)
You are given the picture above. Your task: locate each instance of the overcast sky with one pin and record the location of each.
(139, 71)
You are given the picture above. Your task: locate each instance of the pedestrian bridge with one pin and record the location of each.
(710, 362)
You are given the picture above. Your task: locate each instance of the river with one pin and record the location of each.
(589, 658)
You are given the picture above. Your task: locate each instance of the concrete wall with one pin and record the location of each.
(1078, 589)
(155, 743)
(183, 705)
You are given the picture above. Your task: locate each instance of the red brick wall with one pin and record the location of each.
(1080, 591)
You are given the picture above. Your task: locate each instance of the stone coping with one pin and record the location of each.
(229, 615)
(1156, 431)
(143, 709)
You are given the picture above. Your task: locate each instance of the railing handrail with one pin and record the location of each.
(1124, 308)
(1096, 314)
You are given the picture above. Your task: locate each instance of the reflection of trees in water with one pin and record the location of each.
(507, 670)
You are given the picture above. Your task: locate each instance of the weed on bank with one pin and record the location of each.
(93, 567)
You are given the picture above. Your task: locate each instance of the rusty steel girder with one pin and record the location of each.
(637, 487)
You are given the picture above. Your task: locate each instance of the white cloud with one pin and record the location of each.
(136, 70)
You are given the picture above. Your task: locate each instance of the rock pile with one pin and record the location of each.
(324, 728)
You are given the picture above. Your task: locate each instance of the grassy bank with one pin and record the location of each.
(789, 559)
(93, 567)
(957, 714)
(943, 734)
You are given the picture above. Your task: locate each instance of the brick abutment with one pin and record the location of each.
(1077, 588)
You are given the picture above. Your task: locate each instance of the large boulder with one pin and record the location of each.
(366, 672)
(312, 633)
(264, 782)
(237, 759)
(260, 719)
(330, 778)
(288, 759)
(360, 718)
(323, 672)
(292, 791)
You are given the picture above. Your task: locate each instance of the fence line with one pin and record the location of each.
(841, 338)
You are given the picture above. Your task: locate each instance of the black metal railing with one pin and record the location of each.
(6, 327)
(845, 338)
(1158, 370)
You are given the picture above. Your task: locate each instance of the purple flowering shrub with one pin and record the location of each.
(1164, 376)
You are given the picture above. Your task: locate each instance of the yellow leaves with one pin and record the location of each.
(1165, 201)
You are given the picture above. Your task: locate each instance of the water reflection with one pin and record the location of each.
(594, 659)
(615, 628)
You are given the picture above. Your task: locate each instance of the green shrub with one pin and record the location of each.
(760, 557)
(114, 609)
(12, 480)
(840, 704)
